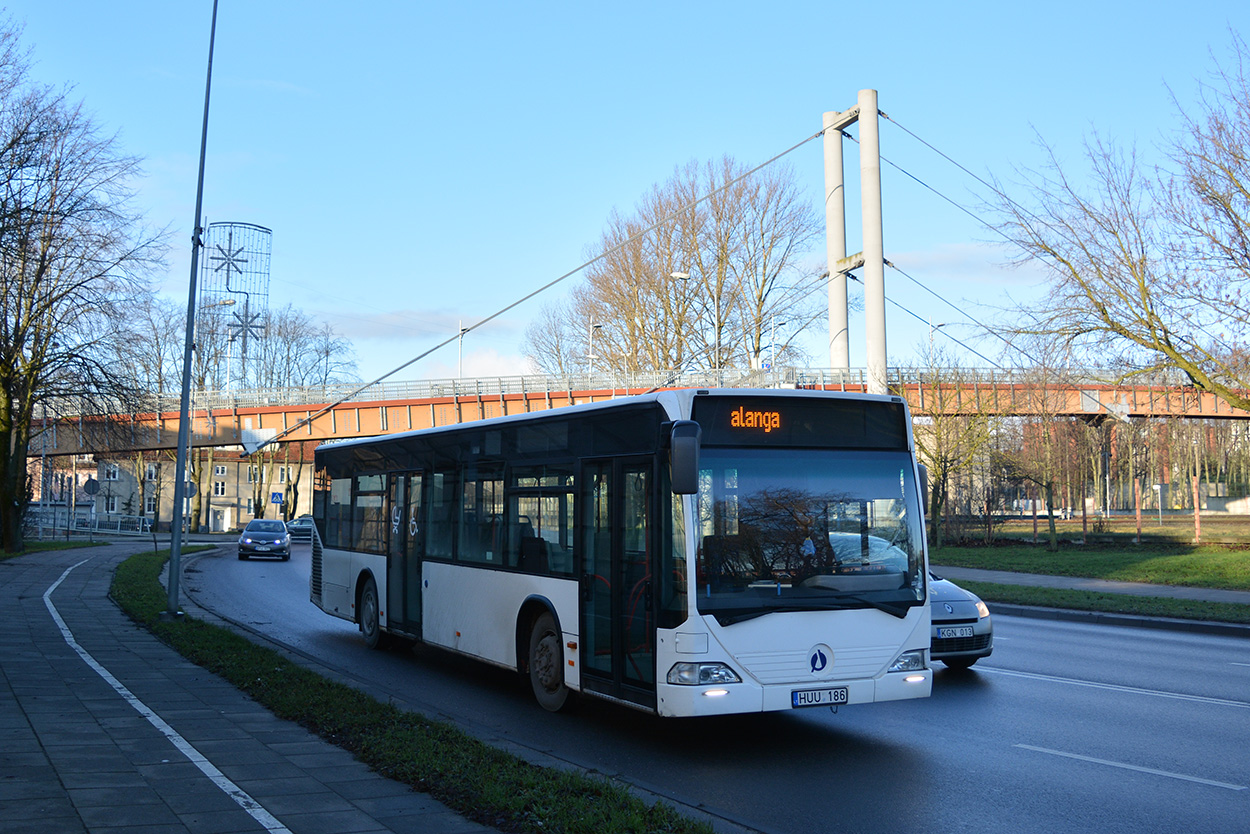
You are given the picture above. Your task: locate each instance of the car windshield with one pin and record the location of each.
(792, 530)
(261, 526)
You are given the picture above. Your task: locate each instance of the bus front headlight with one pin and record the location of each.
(912, 661)
(697, 674)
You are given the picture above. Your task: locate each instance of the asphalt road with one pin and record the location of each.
(1066, 728)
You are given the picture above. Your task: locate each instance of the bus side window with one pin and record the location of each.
(338, 513)
(442, 515)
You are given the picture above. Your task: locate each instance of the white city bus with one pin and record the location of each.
(691, 552)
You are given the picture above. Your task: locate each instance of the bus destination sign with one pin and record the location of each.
(813, 422)
(741, 418)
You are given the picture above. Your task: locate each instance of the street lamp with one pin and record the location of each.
(716, 298)
(180, 461)
(681, 349)
(590, 347)
(226, 302)
(460, 358)
(773, 346)
(243, 324)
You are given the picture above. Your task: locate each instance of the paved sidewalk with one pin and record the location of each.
(1077, 583)
(77, 754)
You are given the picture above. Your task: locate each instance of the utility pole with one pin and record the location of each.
(180, 465)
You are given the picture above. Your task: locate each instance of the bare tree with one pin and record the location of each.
(549, 340)
(952, 432)
(297, 351)
(702, 275)
(74, 259)
(1150, 267)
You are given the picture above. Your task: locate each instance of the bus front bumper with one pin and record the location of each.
(747, 696)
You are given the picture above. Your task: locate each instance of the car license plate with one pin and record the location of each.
(955, 631)
(262, 548)
(819, 697)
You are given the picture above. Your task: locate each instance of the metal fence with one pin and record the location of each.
(58, 522)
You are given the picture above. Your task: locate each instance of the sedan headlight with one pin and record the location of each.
(982, 610)
(696, 674)
(912, 661)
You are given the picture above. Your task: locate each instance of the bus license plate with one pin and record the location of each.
(819, 697)
(956, 631)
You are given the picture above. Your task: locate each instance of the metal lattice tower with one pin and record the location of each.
(234, 288)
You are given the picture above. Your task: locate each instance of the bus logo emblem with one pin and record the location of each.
(819, 658)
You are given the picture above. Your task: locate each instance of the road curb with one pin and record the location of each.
(1103, 618)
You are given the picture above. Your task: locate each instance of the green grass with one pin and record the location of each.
(1199, 566)
(1220, 612)
(482, 783)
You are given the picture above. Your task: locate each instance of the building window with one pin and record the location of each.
(220, 470)
(111, 473)
(153, 469)
(219, 488)
(149, 505)
(110, 504)
(251, 510)
(282, 474)
(252, 472)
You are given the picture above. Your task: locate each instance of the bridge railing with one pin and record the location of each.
(496, 386)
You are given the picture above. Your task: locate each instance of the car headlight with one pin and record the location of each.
(696, 674)
(912, 661)
(982, 610)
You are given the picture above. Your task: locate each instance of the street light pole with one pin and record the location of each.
(590, 348)
(460, 358)
(773, 346)
(180, 465)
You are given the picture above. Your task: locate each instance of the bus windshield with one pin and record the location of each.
(802, 529)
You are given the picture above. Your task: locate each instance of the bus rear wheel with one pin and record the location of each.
(546, 665)
(369, 626)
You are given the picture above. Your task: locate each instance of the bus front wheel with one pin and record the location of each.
(369, 626)
(546, 665)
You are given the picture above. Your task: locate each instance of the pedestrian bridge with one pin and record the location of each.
(318, 414)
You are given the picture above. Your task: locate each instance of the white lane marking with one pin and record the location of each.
(1133, 690)
(246, 802)
(1124, 766)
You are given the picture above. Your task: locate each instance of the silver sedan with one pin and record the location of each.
(962, 629)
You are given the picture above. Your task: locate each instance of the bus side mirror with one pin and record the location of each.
(924, 488)
(684, 457)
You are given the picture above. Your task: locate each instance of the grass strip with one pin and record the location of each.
(1182, 609)
(1205, 566)
(483, 784)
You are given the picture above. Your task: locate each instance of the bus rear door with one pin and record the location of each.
(403, 561)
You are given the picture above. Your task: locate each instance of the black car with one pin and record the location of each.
(300, 529)
(962, 630)
(265, 537)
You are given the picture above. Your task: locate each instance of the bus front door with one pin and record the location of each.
(403, 563)
(617, 626)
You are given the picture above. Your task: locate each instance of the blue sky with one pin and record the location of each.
(422, 164)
